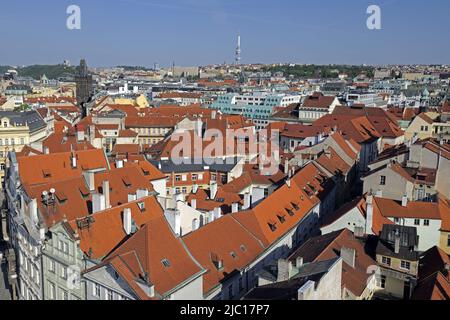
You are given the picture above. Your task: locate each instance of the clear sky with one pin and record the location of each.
(200, 32)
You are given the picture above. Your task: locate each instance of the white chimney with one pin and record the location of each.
(213, 190)
(217, 213)
(80, 135)
(404, 200)
(247, 201)
(234, 207)
(194, 203)
(119, 164)
(73, 159)
(98, 202)
(369, 214)
(89, 176)
(195, 188)
(127, 221)
(141, 193)
(105, 188)
(213, 114)
(132, 197)
(298, 262)
(288, 182)
(286, 167)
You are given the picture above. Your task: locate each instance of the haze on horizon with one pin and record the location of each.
(202, 32)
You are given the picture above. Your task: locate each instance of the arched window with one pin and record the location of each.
(194, 224)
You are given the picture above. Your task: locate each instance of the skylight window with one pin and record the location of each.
(166, 263)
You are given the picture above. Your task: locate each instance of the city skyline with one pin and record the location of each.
(188, 32)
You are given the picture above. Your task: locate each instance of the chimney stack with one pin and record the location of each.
(119, 164)
(73, 159)
(127, 221)
(247, 201)
(404, 200)
(213, 190)
(194, 203)
(105, 188)
(284, 270)
(234, 207)
(286, 167)
(369, 214)
(397, 241)
(195, 188)
(298, 262)
(98, 202)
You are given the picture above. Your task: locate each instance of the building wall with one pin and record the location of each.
(328, 288)
(353, 218)
(444, 241)
(394, 188)
(429, 236)
(61, 264)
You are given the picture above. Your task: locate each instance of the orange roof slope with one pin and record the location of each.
(58, 166)
(213, 243)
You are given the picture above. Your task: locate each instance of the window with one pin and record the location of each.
(386, 261)
(96, 290)
(382, 180)
(177, 177)
(241, 284)
(166, 263)
(194, 177)
(417, 222)
(63, 272)
(51, 290)
(426, 222)
(51, 266)
(448, 240)
(405, 265)
(109, 295)
(184, 177)
(383, 282)
(64, 295)
(396, 220)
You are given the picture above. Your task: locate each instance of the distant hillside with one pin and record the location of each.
(3, 69)
(133, 68)
(51, 71)
(330, 71)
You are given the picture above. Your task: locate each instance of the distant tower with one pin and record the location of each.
(84, 84)
(238, 51)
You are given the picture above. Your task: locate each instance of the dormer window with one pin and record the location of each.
(272, 226)
(281, 217)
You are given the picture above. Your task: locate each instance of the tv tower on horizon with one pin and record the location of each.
(238, 50)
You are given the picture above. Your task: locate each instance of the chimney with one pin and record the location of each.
(397, 241)
(298, 262)
(195, 188)
(132, 197)
(286, 167)
(105, 188)
(46, 150)
(98, 202)
(194, 203)
(284, 270)
(359, 232)
(119, 164)
(199, 127)
(404, 200)
(369, 214)
(127, 221)
(217, 213)
(234, 207)
(213, 190)
(80, 135)
(288, 182)
(247, 201)
(141, 193)
(89, 176)
(349, 256)
(73, 160)
(213, 114)
(91, 133)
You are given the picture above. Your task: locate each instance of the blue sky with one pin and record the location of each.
(199, 32)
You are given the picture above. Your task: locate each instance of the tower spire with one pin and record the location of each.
(238, 50)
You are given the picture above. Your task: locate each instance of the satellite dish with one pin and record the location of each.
(44, 193)
(52, 190)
